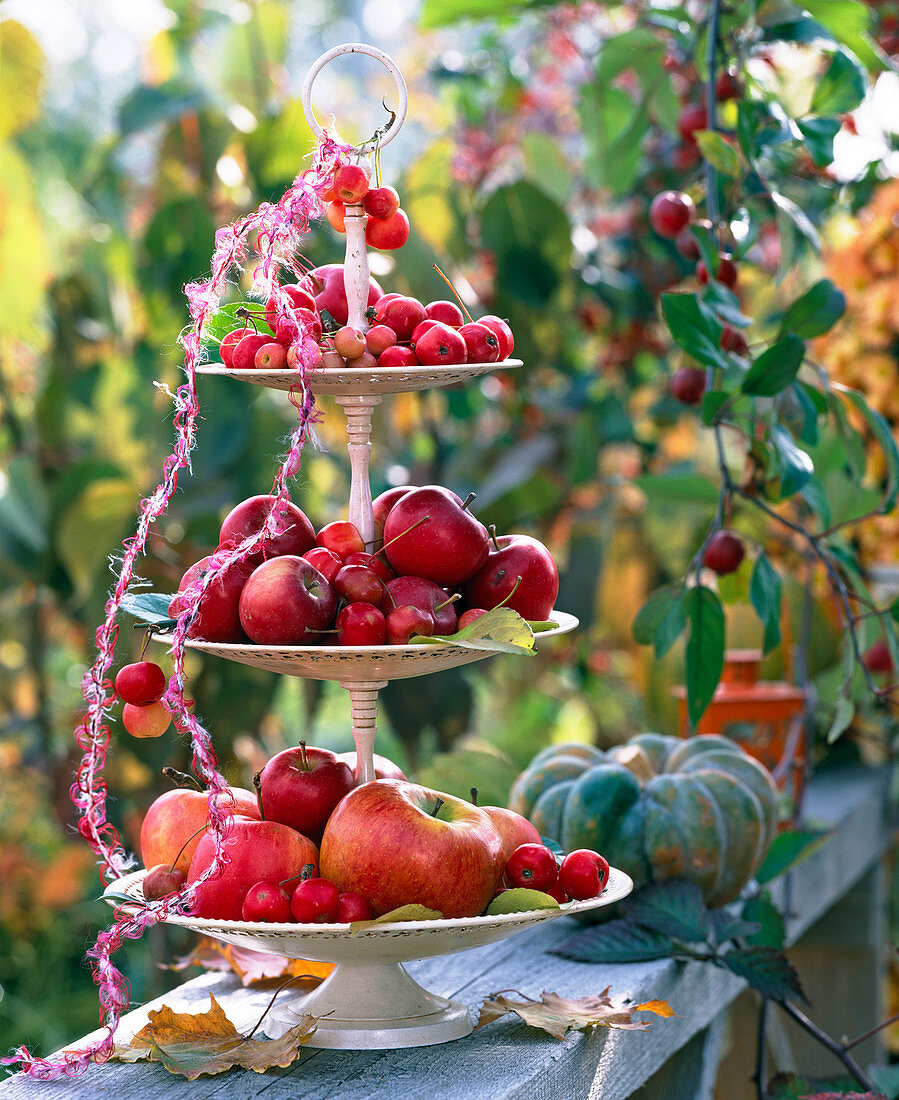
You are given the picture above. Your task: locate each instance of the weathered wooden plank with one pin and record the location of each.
(506, 1059)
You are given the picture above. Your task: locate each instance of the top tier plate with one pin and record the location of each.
(335, 377)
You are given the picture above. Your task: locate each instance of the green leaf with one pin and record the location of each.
(651, 614)
(713, 401)
(618, 941)
(767, 970)
(849, 22)
(705, 649)
(775, 368)
(441, 13)
(719, 152)
(787, 850)
(762, 911)
(673, 908)
(226, 319)
(725, 305)
(816, 311)
(794, 218)
(725, 926)
(678, 487)
(673, 624)
(894, 609)
(501, 630)
(796, 467)
(149, 607)
(613, 129)
(841, 88)
(694, 328)
(818, 135)
(792, 1086)
(843, 714)
(148, 105)
(765, 596)
(886, 441)
(530, 236)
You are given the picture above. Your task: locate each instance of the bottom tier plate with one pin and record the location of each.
(369, 1001)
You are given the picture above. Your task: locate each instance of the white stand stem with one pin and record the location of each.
(355, 268)
(364, 709)
(359, 409)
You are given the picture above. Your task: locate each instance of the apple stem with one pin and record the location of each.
(307, 872)
(491, 530)
(468, 500)
(303, 756)
(182, 779)
(401, 534)
(438, 802)
(474, 796)
(455, 294)
(510, 594)
(446, 603)
(148, 634)
(197, 832)
(257, 784)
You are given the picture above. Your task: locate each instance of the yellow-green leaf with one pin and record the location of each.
(501, 630)
(22, 65)
(93, 527)
(427, 197)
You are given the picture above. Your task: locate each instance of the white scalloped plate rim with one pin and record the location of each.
(619, 886)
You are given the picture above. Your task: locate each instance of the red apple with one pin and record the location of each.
(361, 623)
(381, 202)
(259, 851)
(326, 285)
(379, 338)
(390, 234)
(342, 538)
(514, 830)
(218, 619)
(398, 843)
(400, 313)
(429, 534)
(297, 296)
(244, 355)
(293, 533)
(140, 683)
(266, 902)
(405, 621)
(384, 768)
(398, 356)
(516, 556)
(445, 311)
(350, 183)
(352, 907)
(161, 880)
(150, 720)
(230, 342)
(301, 786)
(174, 819)
(286, 601)
(371, 561)
(425, 594)
(481, 343)
(271, 356)
(325, 561)
(503, 333)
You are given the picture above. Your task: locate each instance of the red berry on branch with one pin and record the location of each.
(692, 118)
(878, 658)
(724, 553)
(670, 212)
(726, 273)
(727, 86)
(733, 340)
(688, 385)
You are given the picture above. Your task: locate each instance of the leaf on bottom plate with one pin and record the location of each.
(558, 1015)
(251, 966)
(191, 1044)
(404, 912)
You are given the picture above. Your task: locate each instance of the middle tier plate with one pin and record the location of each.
(335, 377)
(360, 663)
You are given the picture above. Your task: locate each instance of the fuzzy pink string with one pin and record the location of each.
(278, 228)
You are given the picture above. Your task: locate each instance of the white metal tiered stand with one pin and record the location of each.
(369, 1000)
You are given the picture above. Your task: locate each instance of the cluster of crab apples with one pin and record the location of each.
(431, 559)
(313, 846)
(401, 332)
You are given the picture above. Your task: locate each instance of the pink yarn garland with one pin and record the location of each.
(278, 228)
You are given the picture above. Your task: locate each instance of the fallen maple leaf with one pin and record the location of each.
(558, 1015)
(207, 1042)
(250, 966)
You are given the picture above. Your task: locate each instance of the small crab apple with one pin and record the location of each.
(151, 720)
(315, 901)
(140, 683)
(373, 562)
(352, 907)
(441, 345)
(727, 86)
(693, 117)
(365, 361)
(877, 657)
(160, 881)
(481, 344)
(724, 553)
(407, 620)
(686, 243)
(297, 296)
(688, 385)
(420, 329)
(583, 874)
(244, 355)
(349, 341)
(361, 623)
(336, 215)
(272, 356)
(379, 338)
(325, 561)
(398, 356)
(350, 183)
(342, 537)
(470, 616)
(390, 234)
(670, 212)
(400, 313)
(503, 333)
(445, 311)
(230, 342)
(267, 902)
(726, 273)
(358, 584)
(381, 202)
(533, 866)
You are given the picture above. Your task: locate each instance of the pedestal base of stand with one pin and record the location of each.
(353, 1005)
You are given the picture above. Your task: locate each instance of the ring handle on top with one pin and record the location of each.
(371, 51)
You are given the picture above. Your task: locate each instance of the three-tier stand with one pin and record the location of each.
(369, 1000)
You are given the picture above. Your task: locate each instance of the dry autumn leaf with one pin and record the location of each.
(207, 1042)
(251, 966)
(558, 1015)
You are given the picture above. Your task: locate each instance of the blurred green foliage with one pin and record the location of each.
(531, 152)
